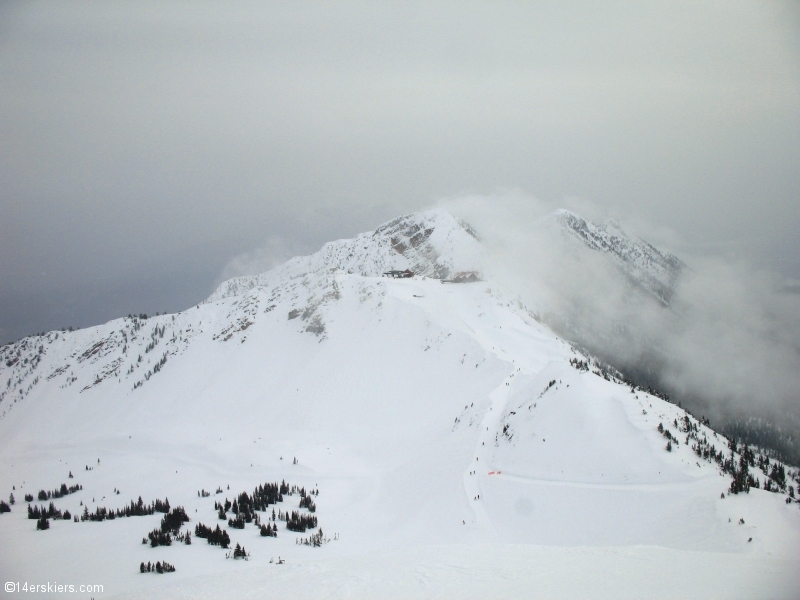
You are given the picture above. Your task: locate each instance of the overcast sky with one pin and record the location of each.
(144, 146)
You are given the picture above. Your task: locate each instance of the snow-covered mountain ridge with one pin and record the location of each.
(650, 268)
(431, 244)
(426, 414)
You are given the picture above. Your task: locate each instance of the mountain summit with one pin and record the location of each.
(431, 244)
(393, 425)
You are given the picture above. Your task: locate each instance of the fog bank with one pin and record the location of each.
(727, 345)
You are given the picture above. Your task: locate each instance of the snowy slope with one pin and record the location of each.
(447, 430)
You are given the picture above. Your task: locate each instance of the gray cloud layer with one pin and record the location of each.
(142, 145)
(728, 345)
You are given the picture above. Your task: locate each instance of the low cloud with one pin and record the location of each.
(275, 251)
(727, 345)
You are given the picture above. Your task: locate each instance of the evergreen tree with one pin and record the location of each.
(174, 520)
(741, 477)
(159, 538)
